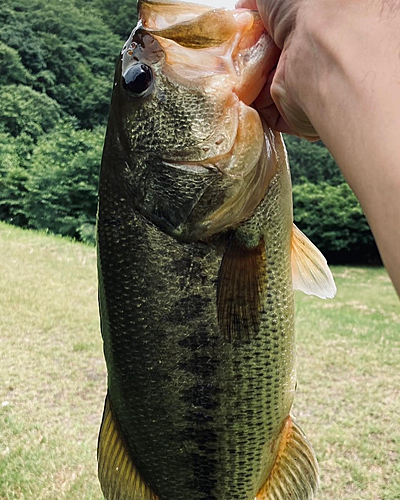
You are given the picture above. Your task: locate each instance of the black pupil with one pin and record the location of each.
(137, 79)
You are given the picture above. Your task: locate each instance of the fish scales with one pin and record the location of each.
(195, 285)
(175, 113)
(204, 411)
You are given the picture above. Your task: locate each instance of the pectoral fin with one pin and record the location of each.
(310, 271)
(119, 478)
(241, 281)
(294, 475)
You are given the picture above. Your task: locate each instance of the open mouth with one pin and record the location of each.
(224, 49)
(228, 55)
(220, 52)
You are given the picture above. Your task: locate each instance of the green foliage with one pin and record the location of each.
(333, 219)
(61, 189)
(12, 181)
(311, 162)
(324, 206)
(67, 54)
(56, 63)
(119, 15)
(11, 68)
(24, 110)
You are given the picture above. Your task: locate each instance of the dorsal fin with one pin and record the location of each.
(310, 270)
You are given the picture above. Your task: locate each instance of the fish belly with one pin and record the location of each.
(201, 416)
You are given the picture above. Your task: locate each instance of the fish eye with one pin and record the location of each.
(137, 79)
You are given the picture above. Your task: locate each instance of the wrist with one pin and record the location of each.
(348, 85)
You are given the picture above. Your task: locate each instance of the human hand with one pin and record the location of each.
(280, 101)
(339, 72)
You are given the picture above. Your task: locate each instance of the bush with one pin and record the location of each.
(324, 206)
(311, 162)
(333, 219)
(61, 189)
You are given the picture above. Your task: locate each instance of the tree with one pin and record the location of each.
(119, 15)
(11, 68)
(66, 54)
(12, 181)
(24, 110)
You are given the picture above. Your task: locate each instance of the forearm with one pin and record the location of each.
(350, 91)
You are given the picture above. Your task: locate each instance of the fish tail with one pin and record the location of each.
(118, 476)
(295, 472)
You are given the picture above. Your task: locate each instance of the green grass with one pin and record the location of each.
(52, 372)
(349, 379)
(53, 379)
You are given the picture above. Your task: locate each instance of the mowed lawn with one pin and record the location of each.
(53, 379)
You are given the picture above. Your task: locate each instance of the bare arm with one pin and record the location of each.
(339, 78)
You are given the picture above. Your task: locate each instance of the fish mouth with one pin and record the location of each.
(220, 52)
(226, 54)
(229, 48)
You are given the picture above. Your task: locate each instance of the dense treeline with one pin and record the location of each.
(56, 66)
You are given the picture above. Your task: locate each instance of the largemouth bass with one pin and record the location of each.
(198, 258)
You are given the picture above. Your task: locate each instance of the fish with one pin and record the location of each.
(198, 258)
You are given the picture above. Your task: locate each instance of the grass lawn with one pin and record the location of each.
(53, 379)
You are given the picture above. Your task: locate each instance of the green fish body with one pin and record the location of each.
(195, 283)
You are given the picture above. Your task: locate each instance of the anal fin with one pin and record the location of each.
(118, 476)
(294, 475)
